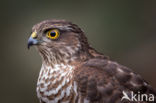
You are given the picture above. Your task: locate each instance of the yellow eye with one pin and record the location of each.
(53, 34)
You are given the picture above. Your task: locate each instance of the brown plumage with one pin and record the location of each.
(73, 72)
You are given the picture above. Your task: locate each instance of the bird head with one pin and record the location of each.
(58, 39)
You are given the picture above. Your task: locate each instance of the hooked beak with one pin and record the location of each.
(33, 39)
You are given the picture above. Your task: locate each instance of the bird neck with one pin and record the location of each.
(68, 55)
(52, 57)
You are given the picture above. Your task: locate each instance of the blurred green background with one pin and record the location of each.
(124, 30)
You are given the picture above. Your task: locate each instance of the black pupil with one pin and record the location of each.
(52, 34)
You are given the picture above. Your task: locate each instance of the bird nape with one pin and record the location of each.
(74, 72)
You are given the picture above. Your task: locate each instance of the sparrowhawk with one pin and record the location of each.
(74, 72)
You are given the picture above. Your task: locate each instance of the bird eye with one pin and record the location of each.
(53, 34)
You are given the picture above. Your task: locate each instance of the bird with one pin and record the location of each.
(72, 71)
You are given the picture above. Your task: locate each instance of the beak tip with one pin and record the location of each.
(28, 47)
(31, 42)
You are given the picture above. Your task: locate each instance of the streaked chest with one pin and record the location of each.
(55, 84)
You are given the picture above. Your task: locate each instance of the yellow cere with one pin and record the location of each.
(53, 34)
(34, 34)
